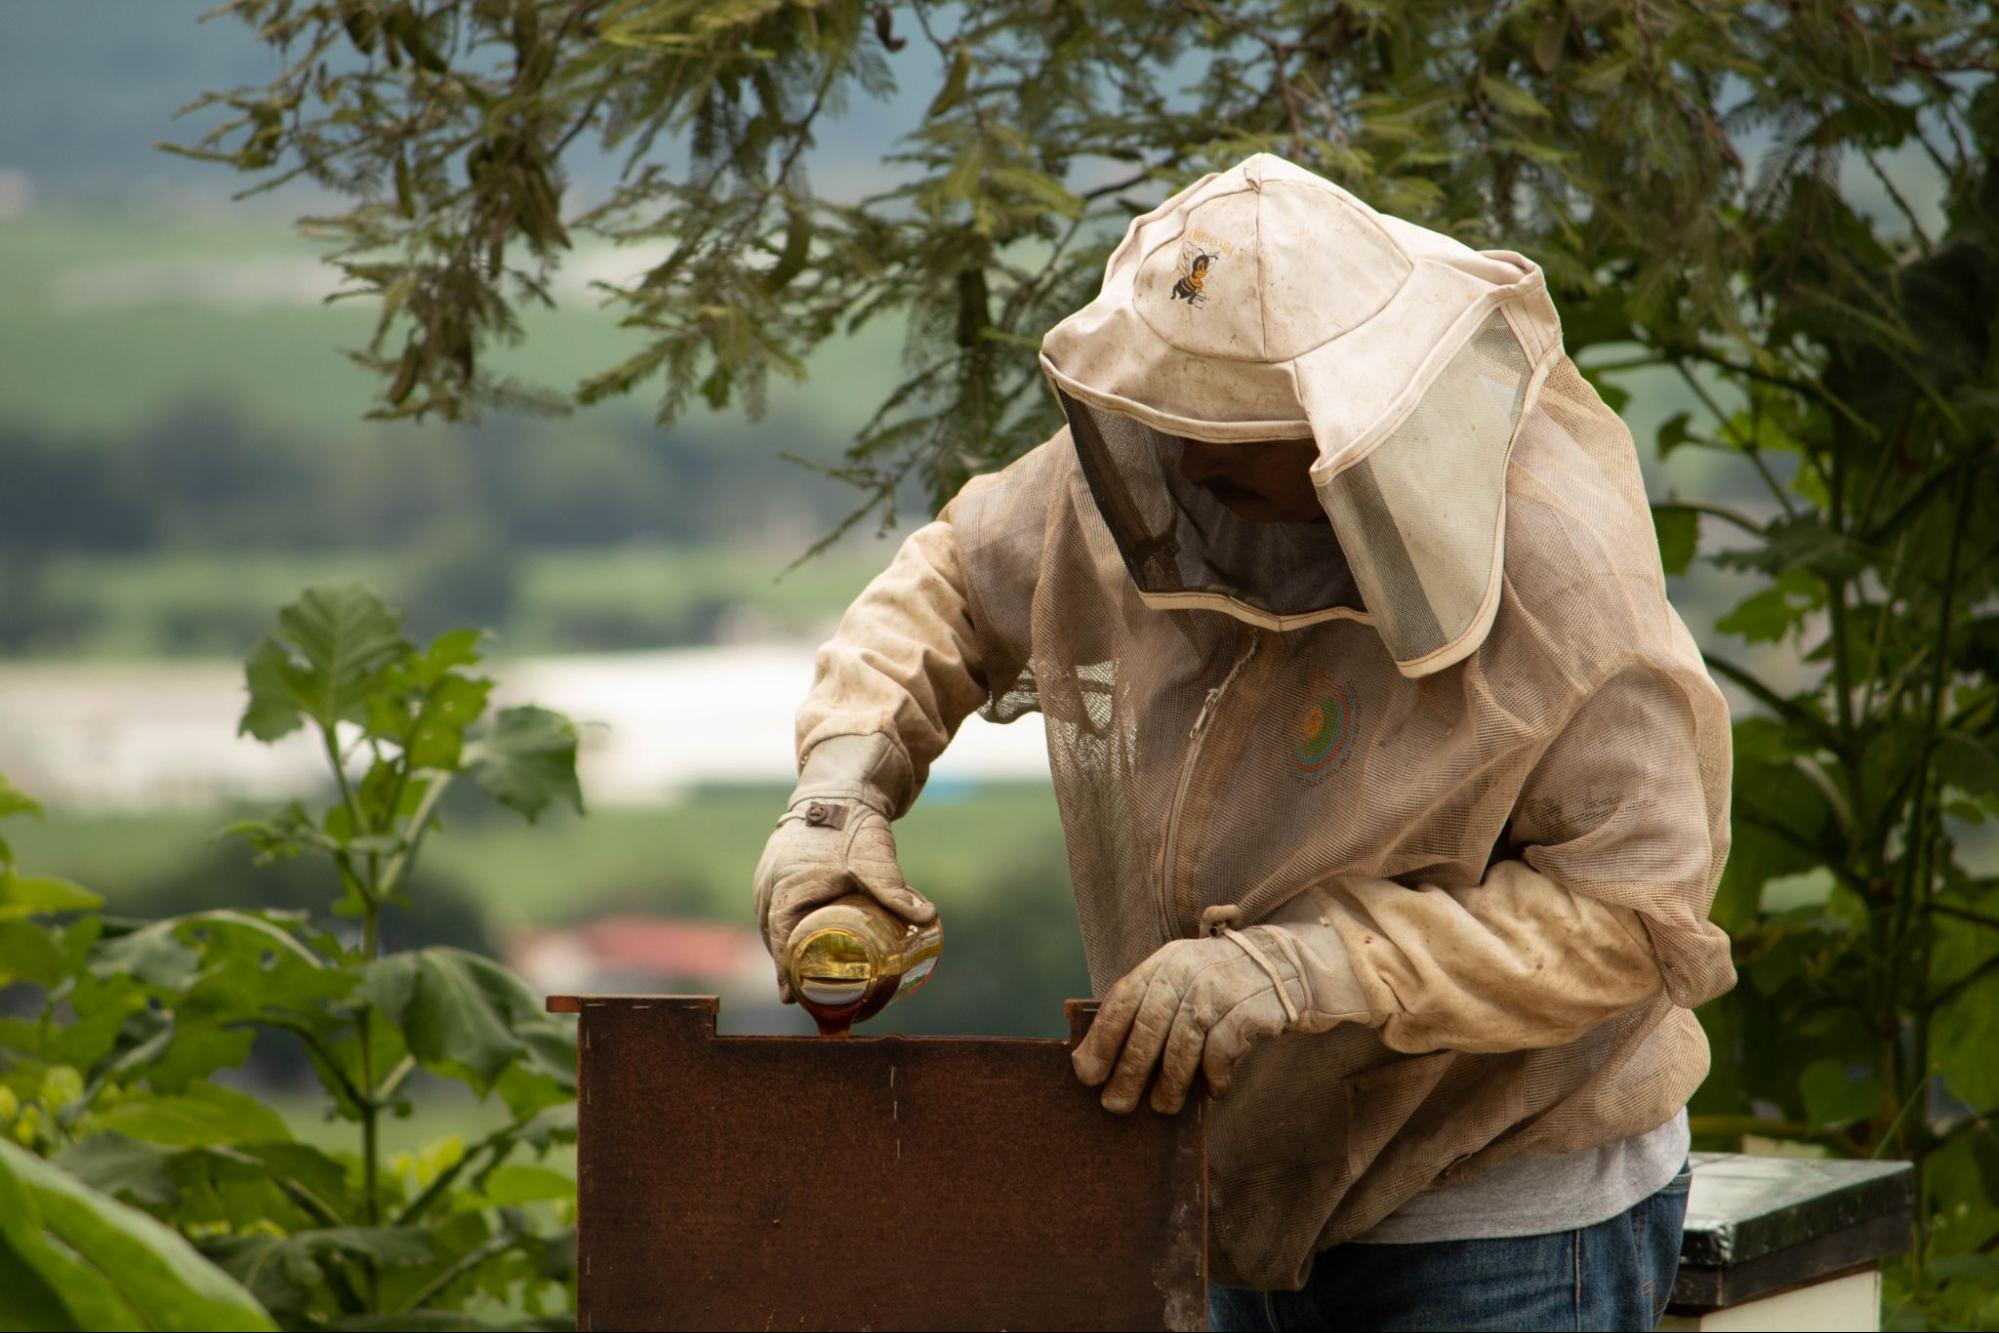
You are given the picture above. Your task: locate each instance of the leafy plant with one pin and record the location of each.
(1861, 386)
(111, 1076)
(73, 1258)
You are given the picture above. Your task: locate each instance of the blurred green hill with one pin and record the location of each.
(184, 445)
(175, 401)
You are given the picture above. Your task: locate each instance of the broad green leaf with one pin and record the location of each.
(29, 953)
(389, 712)
(330, 647)
(1980, 1268)
(547, 1076)
(32, 895)
(520, 1182)
(556, 1125)
(452, 649)
(310, 1168)
(256, 1187)
(1834, 1094)
(226, 966)
(285, 834)
(1967, 763)
(390, 1247)
(1673, 432)
(1964, 1036)
(345, 635)
(528, 761)
(145, 1033)
(458, 1011)
(14, 801)
(1804, 550)
(432, 1160)
(193, 1050)
(225, 1189)
(284, 1271)
(205, 1114)
(527, 1090)
(126, 1169)
(102, 1264)
(273, 710)
(1679, 534)
(22, 1034)
(31, 1301)
(454, 703)
(425, 705)
(152, 955)
(1762, 617)
(377, 788)
(102, 1007)
(1755, 858)
(1765, 739)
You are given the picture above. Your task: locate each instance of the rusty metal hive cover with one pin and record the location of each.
(873, 1182)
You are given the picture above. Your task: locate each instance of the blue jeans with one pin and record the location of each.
(1615, 1275)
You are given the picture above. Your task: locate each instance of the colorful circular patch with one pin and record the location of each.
(1324, 731)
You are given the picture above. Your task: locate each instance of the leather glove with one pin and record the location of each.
(1198, 1005)
(834, 840)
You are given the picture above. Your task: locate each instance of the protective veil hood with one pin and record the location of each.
(1266, 303)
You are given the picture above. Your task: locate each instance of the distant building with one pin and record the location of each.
(143, 736)
(632, 954)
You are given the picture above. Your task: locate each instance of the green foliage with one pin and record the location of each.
(1858, 380)
(112, 1080)
(1605, 140)
(71, 1258)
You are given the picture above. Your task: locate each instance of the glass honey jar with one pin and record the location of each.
(849, 959)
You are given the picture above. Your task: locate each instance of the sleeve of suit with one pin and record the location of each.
(1609, 841)
(905, 660)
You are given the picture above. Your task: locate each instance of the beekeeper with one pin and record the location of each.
(1395, 793)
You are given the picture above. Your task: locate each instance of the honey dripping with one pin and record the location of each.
(852, 958)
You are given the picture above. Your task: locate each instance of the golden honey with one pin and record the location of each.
(850, 959)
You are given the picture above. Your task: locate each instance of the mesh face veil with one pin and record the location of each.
(1184, 547)
(1420, 513)
(1458, 722)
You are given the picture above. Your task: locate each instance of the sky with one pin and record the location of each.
(87, 89)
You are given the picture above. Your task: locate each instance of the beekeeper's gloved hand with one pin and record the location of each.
(1197, 1006)
(834, 840)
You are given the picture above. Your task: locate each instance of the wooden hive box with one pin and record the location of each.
(873, 1182)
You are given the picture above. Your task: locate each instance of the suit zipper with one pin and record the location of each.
(1170, 849)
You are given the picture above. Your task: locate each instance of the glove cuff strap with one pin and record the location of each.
(1269, 969)
(869, 770)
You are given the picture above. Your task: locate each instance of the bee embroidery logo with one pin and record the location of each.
(1195, 264)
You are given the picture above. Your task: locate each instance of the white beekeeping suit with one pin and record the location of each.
(1447, 767)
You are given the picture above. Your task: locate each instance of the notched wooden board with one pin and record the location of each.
(871, 1182)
